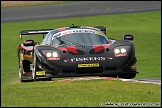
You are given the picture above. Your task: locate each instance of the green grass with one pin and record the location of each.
(146, 28)
(78, 93)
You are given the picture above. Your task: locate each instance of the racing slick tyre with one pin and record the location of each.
(113, 76)
(20, 69)
(127, 76)
(34, 68)
(46, 79)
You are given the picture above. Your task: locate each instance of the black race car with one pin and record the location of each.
(75, 51)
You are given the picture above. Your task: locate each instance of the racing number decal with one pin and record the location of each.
(88, 65)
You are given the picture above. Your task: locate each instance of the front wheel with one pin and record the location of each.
(21, 69)
(22, 74)
(46, 79)
(127, 76)
(34, 68)
(113, 76)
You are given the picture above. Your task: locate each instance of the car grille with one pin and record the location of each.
(89, 70)
(111, 68)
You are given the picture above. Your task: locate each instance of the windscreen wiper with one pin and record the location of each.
(64, 42)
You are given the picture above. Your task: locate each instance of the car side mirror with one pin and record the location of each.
(29, 43)
(128, 37)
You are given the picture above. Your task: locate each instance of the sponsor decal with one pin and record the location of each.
(88, 65)
(85, 59)
(28, 42)
(53, 58)
(61, 29)
(66, 32)
(73, 31)
(121, 55)
(84, 31)
(40, 73)
(30, 48)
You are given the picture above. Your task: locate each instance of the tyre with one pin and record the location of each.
(113, 76)
(127, 76)
(46, 79)
(20, 69)
(34, 68)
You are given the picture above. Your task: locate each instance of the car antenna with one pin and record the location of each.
(72, 25)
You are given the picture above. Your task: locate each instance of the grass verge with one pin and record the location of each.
(78, 93)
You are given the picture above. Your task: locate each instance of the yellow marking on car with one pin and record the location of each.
(28, 56)
(88, 65)
(22, 56)
(40, 73)
(99, 33)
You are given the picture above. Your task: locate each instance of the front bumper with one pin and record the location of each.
(85, 71)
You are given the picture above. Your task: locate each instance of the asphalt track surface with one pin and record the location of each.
(80, 9)
(77, 9)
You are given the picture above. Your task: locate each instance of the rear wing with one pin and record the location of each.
(102, 28)
(34, 32)
(45, 31)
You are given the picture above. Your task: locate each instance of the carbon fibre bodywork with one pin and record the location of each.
(76, 57)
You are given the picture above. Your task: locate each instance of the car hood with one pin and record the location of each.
(95, 49)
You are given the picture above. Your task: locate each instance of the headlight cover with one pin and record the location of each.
(121, 51)
(48, 54)
(116, 51)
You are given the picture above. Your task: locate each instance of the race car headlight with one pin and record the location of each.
(116, 51)
(50, 53)
(55, 54)
(123, 50)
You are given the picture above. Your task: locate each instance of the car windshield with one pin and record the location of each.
(75, 39)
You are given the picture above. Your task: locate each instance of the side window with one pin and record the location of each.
(47, 39)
